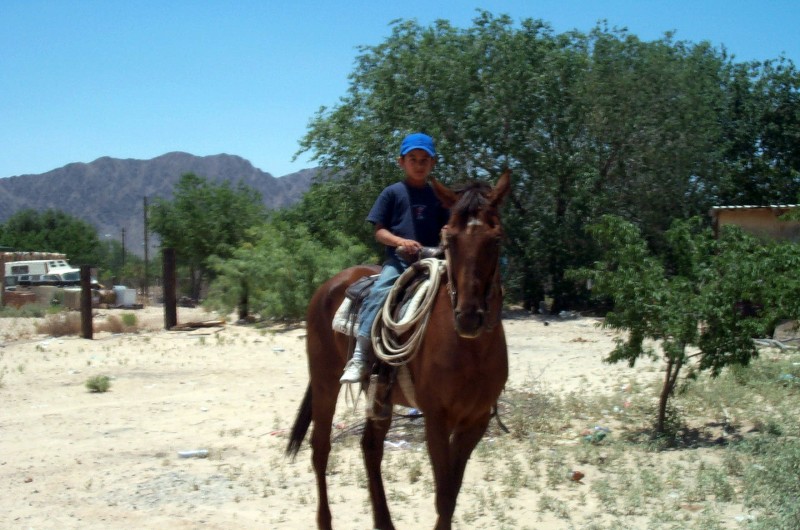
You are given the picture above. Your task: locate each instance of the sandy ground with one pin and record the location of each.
(70, 458)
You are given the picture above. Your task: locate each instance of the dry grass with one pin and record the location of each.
(723, 463)
(69, 323)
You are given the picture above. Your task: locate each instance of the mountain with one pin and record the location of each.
(109, 192)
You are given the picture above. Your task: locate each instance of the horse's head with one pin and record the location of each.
(472, 247)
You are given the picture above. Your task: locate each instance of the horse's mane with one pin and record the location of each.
(471, 199)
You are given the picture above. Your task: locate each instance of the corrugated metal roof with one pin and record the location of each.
(715, 210)
(751, 206)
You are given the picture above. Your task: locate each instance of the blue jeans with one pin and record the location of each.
(392, 269)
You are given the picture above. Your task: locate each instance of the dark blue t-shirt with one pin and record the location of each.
(410, 213)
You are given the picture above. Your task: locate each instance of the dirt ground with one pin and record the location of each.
(70, 458)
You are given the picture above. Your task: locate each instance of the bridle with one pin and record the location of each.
(495, 288)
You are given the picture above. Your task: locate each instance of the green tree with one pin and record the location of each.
(279, 270)
(52, 231)
(591, 124)
(704, 302)
(205, 219)
(761, 128)
(118, 267)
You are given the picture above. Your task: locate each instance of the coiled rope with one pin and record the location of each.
(386, 331)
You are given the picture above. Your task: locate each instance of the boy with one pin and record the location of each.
(406, 214)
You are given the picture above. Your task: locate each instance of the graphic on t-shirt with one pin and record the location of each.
(419, 211)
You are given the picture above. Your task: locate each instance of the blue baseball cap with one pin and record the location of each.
(417, 141)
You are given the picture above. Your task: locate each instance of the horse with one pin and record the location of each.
(458, 373)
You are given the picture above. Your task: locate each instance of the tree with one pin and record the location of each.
(591, 124)
(761, 127)
(704, 302)
(278, 272)
(118, 265)
(52, 231)
(205, 219)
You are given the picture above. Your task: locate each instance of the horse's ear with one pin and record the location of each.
(501, 189)
(447, 196)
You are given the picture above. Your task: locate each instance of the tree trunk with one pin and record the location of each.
(670, 380)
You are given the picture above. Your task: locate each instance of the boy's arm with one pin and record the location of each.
(385, 237)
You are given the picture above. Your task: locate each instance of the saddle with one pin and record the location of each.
(345, 320)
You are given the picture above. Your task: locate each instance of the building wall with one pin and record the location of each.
(761, 222)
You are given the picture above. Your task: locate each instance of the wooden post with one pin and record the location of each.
(244, 300)
(86, 302)
(170, 289)
(3, 281)
(146, 287)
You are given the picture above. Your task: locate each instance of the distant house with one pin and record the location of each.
(760, 221)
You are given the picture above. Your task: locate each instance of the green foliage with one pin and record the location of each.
(591, 124)
(205, 219)
(26, 311)
(761, 127)
(280, 269)
(98, 383)
(52, 231)
(129, 320)
(121, 268)
(708, 294)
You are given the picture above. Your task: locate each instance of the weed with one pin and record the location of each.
(129, 320)
(558, 507)
(98, 383)
(771, 485)
(414, 471)
(60, 325)
(26, 311)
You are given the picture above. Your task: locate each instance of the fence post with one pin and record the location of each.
(3, 281)
(86, 302)
(170, 289)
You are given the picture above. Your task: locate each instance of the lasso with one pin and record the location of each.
(386, 332)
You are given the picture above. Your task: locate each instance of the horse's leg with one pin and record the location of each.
(323, 408)
(449, 456)
(462, 443)
(372, 445)
(437, 438)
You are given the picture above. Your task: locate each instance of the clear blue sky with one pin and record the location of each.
(82, 79)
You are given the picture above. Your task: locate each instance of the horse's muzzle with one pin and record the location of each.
(470, 324)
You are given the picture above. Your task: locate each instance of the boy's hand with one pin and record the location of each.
(409, 246)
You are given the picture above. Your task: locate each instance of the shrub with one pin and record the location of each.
(129, 320)
(98, 383)
(61, 324)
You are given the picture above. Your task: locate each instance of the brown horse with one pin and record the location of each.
(458, 373)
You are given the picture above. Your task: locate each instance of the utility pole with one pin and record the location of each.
(123, 252)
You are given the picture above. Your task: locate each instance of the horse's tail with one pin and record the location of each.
(300, 426)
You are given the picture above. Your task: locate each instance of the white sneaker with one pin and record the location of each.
(353, 371)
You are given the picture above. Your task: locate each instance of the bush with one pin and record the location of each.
(63, 324)
(98, 383)
(60, 325)
(281, 270)
(26, 311)
(127, 323)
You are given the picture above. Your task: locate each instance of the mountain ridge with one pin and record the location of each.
(109, 193)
